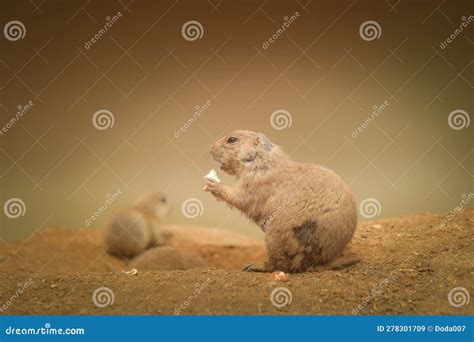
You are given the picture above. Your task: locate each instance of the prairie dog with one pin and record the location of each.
(132, 230)
(307, 212)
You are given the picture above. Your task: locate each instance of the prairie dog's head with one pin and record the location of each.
(153, 202)
(240, 151)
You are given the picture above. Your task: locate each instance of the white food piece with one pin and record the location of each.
(212, 175)
(133, 271)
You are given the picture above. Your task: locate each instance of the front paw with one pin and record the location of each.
(213, 187)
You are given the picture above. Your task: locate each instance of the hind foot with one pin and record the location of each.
(255, 267)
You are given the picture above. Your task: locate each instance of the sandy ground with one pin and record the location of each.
(408, 266)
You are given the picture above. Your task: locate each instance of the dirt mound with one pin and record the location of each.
(167, 259)
(57, 250)
(410, 265)
(179, 235)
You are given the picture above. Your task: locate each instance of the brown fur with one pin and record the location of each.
(132, 230)
(307, 212)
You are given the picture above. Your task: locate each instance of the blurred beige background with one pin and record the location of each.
(320, 71)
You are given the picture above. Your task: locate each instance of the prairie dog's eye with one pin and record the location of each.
(163, 200)
(231, 140)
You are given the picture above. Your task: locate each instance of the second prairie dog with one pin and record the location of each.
(307, 212)
(132, 230)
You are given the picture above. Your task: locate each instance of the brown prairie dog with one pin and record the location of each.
(307, 212)
(132, 230)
